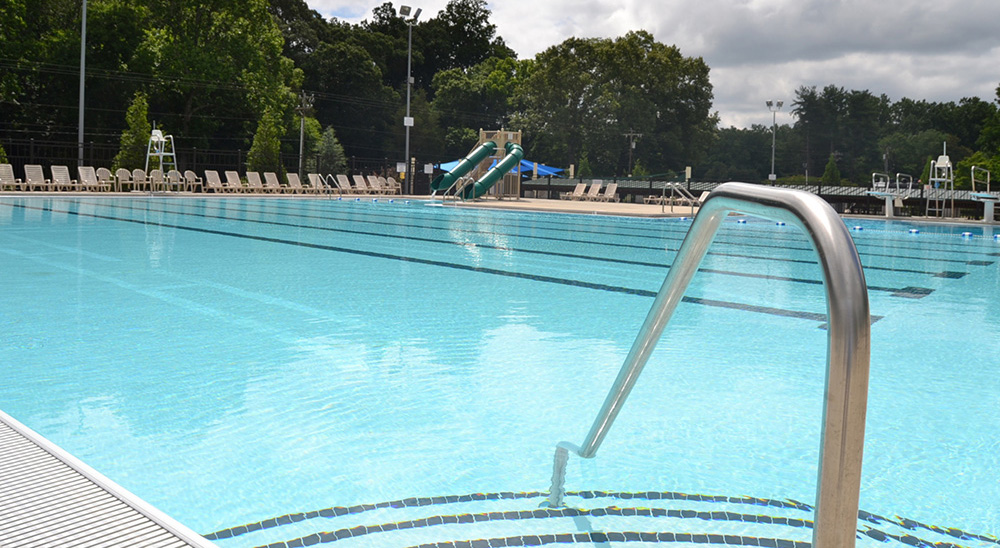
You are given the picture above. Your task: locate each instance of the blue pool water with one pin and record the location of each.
(236, 360)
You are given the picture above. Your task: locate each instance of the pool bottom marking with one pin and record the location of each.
(603, 536)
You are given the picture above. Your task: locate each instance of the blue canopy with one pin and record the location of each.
(527, 168)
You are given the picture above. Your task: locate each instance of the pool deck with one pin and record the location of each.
(50, 498)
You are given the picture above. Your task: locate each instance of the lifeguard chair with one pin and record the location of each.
(941, 186)
(161, 147)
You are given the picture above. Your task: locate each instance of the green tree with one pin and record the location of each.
(330, 154)
(585, 94)
(265, 152)
(356, 101)
(134, 141)
(979, 159)
(584, 169)
(831, 174)
(478, 97)
(3, 155)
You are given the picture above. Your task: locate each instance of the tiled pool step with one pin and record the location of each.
(592, 519)
(48, 498)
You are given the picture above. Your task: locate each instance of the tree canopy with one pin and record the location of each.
(225, 75)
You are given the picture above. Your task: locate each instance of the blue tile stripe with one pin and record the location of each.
(544, 513)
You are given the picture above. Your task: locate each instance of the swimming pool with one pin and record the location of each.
(237, 361)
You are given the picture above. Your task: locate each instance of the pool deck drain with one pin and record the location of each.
(50, 498)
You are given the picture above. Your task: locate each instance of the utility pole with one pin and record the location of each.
(632, 137)
(83, 70)
(305, 103)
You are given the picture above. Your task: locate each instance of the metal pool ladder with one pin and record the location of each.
(848, 346)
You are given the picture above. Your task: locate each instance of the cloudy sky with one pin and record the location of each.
(937, 50)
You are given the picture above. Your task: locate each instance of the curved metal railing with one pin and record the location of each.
(848, 346)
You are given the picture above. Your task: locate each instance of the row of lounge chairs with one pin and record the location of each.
(97, 180)
(102, 180)
(593, 194)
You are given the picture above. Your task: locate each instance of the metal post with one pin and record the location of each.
(774, 108)
(407, 120)
(305, 103)
(848, 346)
(83, 64)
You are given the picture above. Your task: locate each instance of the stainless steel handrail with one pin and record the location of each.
(848, 346)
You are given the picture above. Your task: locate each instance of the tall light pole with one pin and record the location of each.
(408, 120)
(305, 103)
(83, 62)
(774, 107)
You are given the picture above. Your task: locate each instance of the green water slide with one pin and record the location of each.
(513, 157)
(478, 154)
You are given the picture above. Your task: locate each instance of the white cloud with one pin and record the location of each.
(763, 49)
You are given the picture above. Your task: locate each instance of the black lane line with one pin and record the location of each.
(717, 239)
(681, 230)
(456, 266)
(946, 274)
(911, 292)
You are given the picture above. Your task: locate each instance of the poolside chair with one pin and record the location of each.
(577, 193)
(156, 180)
(105, 178)
(61, 179)
(214, 183)
(393, 185)
(88, 179)
(272, 183)
(123, 178)
(345, 185)
(361, 186)
(140, 181)
(34, 178)
(594, 191)
(295, 184)
(7, 180)
(375, 186)
(610, 193)
(175, 181)
(254, 183)
(193, 181)
(315, 182)
(233, 183)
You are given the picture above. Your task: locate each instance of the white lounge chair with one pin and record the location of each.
(214, 183)
(295, 185)
(34, 178)
(361, 185)
(345, 185)
(233, 183)
(375, 185)
(88, 179)
(272, 183)
(61, 179)
(254, 183)
(610, 193)
(594, 191)
(316, 182)
(577, 193)
(7, 180)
